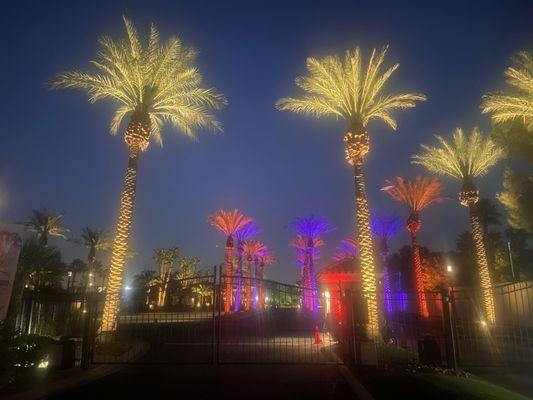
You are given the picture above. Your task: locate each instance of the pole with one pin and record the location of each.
(213, 316)
(511, 260)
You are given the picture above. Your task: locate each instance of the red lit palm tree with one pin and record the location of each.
(228, 222)
(252, 251)
(417, 195)
(347, 248)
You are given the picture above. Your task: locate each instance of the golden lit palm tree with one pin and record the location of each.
(228, 222)
(517, 103)
(152, 84)
(417, 195)
(345, 89)
(465, 158)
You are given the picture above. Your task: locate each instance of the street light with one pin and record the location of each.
(449, 268)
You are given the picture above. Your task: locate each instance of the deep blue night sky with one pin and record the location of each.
(56, 151)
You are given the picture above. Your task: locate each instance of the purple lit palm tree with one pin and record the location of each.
(247, 232)
(311, 228)
(300, 246)
(347, 248)
(383, 228)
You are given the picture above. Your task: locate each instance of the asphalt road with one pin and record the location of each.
(273, 382)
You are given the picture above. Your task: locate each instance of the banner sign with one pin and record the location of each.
(10, 245)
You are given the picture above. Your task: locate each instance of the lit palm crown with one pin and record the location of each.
(518, 102)
(344, 88)
(155, 79)
(267, 257)
(228, 222)
(312, 226)
(248, 231)
(166, 256)
(463, 157)
(347, 248)
(417, 194)
(254, 248)
(385, 226)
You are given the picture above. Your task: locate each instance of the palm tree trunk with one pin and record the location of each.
(483, 266)
(229, 271)
(120, 245)
(419, 279)
(313, 299)
(386, 278)
(366, 249)
(261, 299)
(248, 284)
(240, 251)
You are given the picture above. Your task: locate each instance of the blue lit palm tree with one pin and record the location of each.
(310, 228)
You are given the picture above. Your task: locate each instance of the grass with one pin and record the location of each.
(389, 384)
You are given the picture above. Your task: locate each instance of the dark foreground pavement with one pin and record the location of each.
(273, 382)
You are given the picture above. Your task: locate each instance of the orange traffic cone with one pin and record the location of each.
(317, 336)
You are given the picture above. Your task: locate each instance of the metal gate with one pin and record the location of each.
(238, 320)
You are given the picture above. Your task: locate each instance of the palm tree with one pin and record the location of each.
(228, 222)
(518, 102)
(94, 240)
(466, 158)
(417, 195)
(77, 267)
(245, 233)
(253, 249)
(300, 245)
(265, 258)
(46, 224)
(165, 258)
(310, 228)
(343, 88)
(34, 257)
(152, 84)
(383, 228)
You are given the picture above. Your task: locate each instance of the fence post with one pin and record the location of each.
(449, 334)
(214, 317)
(88, 331)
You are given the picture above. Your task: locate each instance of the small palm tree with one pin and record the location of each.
(300, 246)
(228, 222)
(94, 240)
(347, 90)
(247, 232)
(466, 158)
(309, 229)
(347, 248)
(518, 102)
(265, 258)
(417, 195)
(383, 228)
(152, 84)
(253, 249)
(46, 224)
(165, 259)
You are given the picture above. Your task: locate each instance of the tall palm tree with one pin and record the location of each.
(247, 232)
(94, 240)
(228, 222)
(517, 103)
(253, 249)
(152, 84)
(466, 158)
(416, 194)
(310, 228)
(46, 224)
(165, 259)
(383, 228)
(345, 89)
